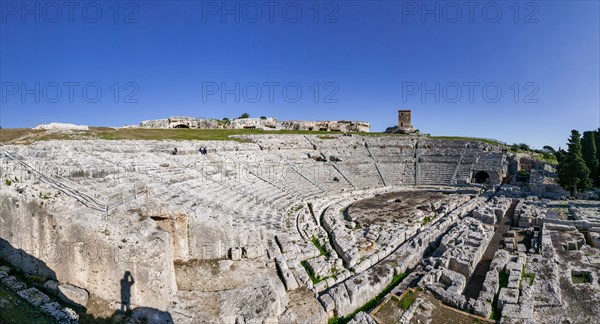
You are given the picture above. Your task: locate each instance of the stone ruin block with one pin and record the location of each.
(285, 243)
(253, 251)
(594, 237)
(328, 304)
(507, 296)
(13, 284)
(73, 295)
(362, 318)
(452, 299)
(302, 277)
(575, 243)
(593, 259)
(501, 258)
(490, 286)
(34, 296)
(340, 296)
(482, 309)
(286, 275)
(509, 244)
(451, 278)
(514, 279)
(461, 266)
(60, 314)
(318, 266)
(485, 215)
(514, 265)
(526, 221)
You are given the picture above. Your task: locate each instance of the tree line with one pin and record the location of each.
(578, 166)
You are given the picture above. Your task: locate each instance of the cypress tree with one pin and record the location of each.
(560, 155)
(597, 138)
(589, 153)
(573, 173)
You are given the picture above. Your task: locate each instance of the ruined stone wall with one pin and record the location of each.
(257, 123)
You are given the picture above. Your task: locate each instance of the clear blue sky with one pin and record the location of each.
(368, 58)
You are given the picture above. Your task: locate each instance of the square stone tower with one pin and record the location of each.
(404, 118)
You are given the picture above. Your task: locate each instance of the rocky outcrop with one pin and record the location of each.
(257, 123)
(62, 126)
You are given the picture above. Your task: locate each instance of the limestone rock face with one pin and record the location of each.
(86, 252)
(61, 126)
(73, 295)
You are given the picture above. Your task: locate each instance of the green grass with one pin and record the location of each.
(320, 247)
(536, 154)
(503, 280)
(371, 304)
(524, 275)
(11, 134)
(17, 310)
(108, 133)
(581, 278)
(503, 283)
(407, 300)
(8, 182)
(425, 221)
(35, 278)
(463, 138)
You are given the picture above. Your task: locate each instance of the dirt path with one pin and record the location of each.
(476, 282)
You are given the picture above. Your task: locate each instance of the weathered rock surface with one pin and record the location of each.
(73, 295)
(33, 296)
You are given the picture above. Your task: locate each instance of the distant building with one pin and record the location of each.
(404, 118)
(404, 124)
